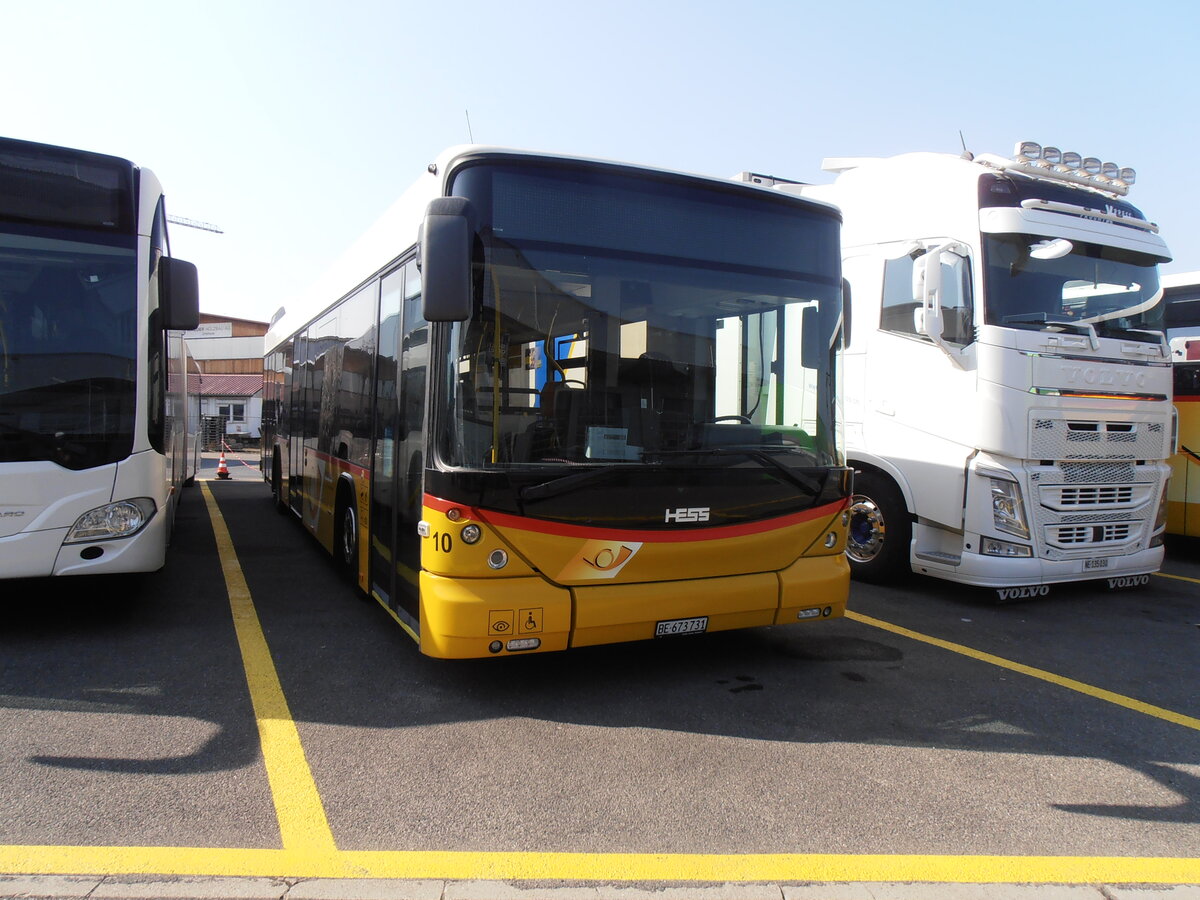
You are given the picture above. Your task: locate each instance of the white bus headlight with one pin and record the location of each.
(1008, 510)
(115, 520)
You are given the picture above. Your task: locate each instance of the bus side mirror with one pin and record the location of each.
(846, 313)
(447, 241)
(813, 351)
(178, 294)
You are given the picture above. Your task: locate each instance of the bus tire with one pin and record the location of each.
(877, 545)
(345, 538)
(277, 487)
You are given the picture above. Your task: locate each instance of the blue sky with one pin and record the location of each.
(293, 125)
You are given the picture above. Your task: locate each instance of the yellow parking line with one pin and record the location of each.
(302, 821)
(1178, 577)
(603, 867)
(309, 850)
(1099, 693)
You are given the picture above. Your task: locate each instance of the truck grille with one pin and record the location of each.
(1081, 508)
(1090, 535)
(1068, 439)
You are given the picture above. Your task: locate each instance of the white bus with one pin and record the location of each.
(94, 434)
(1008, 382)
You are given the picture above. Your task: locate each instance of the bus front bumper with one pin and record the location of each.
(465, 618)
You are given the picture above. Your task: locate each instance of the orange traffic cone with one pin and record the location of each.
(222, 469)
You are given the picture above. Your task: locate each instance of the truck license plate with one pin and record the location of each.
(670, 627)
(1095, 563)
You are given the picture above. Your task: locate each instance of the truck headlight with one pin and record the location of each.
(114, 520)
(1008, 510)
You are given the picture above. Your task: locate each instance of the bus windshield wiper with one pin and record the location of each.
(764, 456)
(567, 483)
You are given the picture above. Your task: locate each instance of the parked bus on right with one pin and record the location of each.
(1182, 297)
(1008, 383)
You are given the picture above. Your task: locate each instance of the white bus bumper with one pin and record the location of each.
(40, 554)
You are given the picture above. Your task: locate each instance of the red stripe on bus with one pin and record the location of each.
(344, 463)
(507, 520)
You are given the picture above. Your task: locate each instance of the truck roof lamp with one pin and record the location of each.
(1051, 162)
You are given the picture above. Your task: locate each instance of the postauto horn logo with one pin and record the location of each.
(599, 560)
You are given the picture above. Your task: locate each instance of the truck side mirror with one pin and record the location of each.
(929, 321)
(447, 242)
(927, 276)
(178, 294)
(927, 289)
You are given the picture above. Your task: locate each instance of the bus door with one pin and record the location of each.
(397, 481)
(410, 461)
(296, 436)
(383, 465)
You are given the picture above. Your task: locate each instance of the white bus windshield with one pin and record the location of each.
(68, 334)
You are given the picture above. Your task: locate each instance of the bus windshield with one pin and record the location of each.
(625, 320)
(68, 337)
(1035, 282)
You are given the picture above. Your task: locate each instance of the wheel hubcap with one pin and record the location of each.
(867, 530)
(348, 536)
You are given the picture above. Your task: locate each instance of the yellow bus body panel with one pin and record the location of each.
(579, 556)
(1183, 491)
(462, 617)
(579, 587)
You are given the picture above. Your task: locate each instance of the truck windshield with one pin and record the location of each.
(68, 339)
(1031, 284)
(628, 321)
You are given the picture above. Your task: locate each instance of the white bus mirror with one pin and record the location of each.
(178, 294)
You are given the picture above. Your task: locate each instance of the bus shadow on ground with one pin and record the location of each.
(159, 645)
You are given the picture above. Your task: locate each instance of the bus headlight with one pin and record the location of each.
(115, 520)
(1008, 510)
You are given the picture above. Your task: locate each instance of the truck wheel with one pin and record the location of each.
(877, 545)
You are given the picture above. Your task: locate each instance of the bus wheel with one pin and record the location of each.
(877, 545)
(277, 488)
(347, 537)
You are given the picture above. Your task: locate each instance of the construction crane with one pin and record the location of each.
(193, 223)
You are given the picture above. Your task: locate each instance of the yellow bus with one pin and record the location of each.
(559, 402)
(1182, 296)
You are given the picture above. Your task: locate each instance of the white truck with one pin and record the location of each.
(1007, 381)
